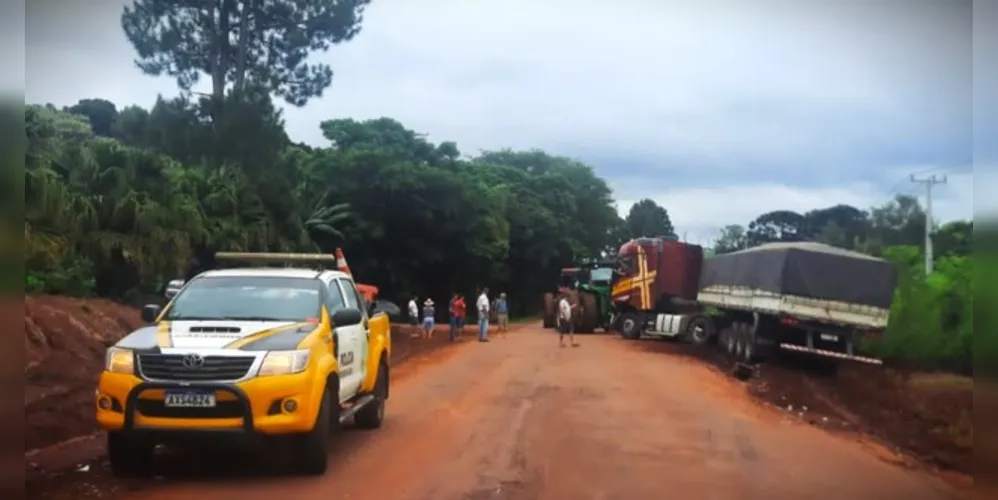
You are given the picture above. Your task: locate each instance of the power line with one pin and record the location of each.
(928, 182)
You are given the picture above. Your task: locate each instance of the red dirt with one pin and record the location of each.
(64, 344)
(927, 417)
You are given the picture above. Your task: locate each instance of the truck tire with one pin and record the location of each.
(549, 313)
(129, 456)
(749, 346)
(757, 349)
(739, 330)
(730, 335)
(372, 415)
(700, 330)
(590, 314)
(631, 326)
(313, 449)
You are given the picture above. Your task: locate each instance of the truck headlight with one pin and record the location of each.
(118, 360)
(284, 362)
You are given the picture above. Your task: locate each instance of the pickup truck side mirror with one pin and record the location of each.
(150, 312)
(348, 316)
(172, 288)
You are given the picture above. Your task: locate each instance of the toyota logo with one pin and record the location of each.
(193, 361)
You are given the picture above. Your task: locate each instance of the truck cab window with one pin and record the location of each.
(334, 298)
(353, 298)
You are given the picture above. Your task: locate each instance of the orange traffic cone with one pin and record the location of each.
(341, 262)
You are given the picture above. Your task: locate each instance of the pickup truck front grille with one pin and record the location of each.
(174, 367)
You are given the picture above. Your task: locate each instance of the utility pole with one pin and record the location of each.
(929, 182)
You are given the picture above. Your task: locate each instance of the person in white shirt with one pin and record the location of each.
(482, 305)
(565, 322)
(413, 312)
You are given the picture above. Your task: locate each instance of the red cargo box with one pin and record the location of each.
(679, 266)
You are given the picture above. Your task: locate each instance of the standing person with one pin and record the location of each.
(413, 311)
(457, 313)
(483, 315)
(565, 322)
(502, 314)
(428, 318)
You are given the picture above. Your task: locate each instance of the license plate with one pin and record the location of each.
(829, 337)
(189, 399)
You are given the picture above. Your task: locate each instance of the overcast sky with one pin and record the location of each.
(717, 110)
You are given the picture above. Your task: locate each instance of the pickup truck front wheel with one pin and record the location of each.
(313, 449)
(372, 415)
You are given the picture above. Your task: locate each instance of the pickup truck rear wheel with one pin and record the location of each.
(313, 449)
(129, 456)
(372, 415)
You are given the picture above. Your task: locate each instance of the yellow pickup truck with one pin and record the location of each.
(277, 352)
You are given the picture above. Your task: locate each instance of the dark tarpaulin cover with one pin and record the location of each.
(805, 269)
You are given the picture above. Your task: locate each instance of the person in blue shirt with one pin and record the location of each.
(502, 314)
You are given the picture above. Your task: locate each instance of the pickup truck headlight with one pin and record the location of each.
(284, 362)
(118, 360)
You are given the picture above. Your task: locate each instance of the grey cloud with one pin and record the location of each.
(733, 92)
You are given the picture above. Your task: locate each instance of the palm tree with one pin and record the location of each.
(324, 221)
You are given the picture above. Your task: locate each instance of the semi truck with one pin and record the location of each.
(800, 296)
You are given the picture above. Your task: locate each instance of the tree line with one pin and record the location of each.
(120, 201)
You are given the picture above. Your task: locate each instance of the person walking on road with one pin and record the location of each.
(482, 305)
(457, 313)
(502, 314)
(428, 314)
(413, 311)
(565, 322)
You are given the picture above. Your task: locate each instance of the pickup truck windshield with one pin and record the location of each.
(248, 298)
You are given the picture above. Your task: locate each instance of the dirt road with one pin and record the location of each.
(521, 418)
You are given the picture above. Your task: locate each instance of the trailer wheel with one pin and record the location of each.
(730, 334)
(630, 326)
(739, 330)
(749, 347)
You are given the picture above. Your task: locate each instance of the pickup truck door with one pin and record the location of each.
(353, 358)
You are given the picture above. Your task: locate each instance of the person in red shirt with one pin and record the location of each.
(457, 312)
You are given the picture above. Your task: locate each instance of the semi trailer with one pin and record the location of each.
(802, 296)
